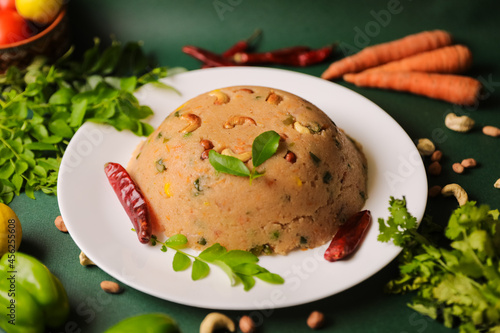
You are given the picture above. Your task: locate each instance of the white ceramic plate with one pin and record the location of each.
(101, 228)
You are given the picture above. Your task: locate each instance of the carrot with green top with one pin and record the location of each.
(455, 89)
(449, 59)
(386, 52)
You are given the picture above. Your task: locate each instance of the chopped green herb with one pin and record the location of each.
(177, 114)
(240, 266)
(202, 241)
(197, 187)
(362, 195)
(160, 166)
(316, 160)
(159, 135)
(327, 177)
(289, 120)
(137, 157)
(187, 135)
(275, 235)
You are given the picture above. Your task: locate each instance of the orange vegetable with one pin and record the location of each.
(449, 59)
(383, 53)
(455, 89)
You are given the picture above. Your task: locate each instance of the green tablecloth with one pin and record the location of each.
(165, 26)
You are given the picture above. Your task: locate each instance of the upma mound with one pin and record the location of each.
(314, 182)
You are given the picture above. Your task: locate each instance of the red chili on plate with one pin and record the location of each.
(349, 236)
(131, 198)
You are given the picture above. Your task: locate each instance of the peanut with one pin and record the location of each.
(458, 124)
(316, 320)
(457, 191)
(60, 224)
(491, 131)
(469, 163)
(434, 168)
(291, 157)
(247, 325)
(220, 97)
(434, 191)
(425, 147)
(111, 287)
(273, 98)
(205, 153)
(193, 120)
(437, 156)
(458, 168)
(206, 144)
(238, 120)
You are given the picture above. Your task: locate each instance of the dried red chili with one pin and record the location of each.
(349, 236)
(293, 56)
(242, 45)
(131, 199)
(208, 58)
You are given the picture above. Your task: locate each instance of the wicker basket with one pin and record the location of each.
(53, 41)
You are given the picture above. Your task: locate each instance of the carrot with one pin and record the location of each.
(386, 52)
(448, 59)
(455, 89)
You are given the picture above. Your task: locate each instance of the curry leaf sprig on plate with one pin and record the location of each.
(456, 277)
(240, 266)
(264, 146)
(42, 106)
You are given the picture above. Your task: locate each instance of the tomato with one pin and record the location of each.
(7, 4)
(13, 28)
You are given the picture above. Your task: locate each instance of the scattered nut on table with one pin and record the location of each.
(247, 325)
(111, 287)
(60, 224)
(425, 147)
(437, 156)
(84, 260)
(434, 168)
(469, 163)
(491, 131)
(458, 124)
(458, 168)
(216, 321)
(497, 183)
(434, 191)
(457, 191)
(316, 320)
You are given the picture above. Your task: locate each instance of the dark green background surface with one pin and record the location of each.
(165, 26)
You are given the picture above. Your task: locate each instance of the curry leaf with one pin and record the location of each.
(228, 164)
(264, 146)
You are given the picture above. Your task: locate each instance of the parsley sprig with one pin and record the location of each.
(42, 106)
(240, 266)
(454, 271)
(264, 146)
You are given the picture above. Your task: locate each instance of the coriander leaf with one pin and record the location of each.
(228, 164)
(200, 270)
(181, 262)
(264, 146)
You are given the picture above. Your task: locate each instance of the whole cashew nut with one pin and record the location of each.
(458, 124)
(238, 120)
(193, 122)
(215, 321)
(457, 191)
(244, 157)
(84, 260)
